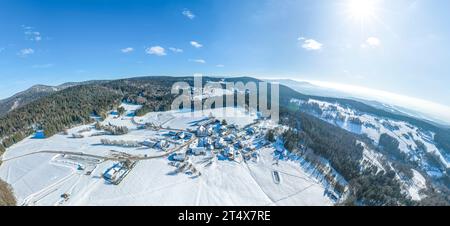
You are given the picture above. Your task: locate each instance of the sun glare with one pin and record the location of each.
(362, 10)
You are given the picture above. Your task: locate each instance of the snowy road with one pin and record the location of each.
(106, 158)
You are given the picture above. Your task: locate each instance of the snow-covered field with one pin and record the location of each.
(418, 183)
(222, 183)
(65, 179)
(186, 119)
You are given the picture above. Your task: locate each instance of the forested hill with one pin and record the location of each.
(442, 133)
(57, 111)
(77, 104)
(25, 97)
(34, 93)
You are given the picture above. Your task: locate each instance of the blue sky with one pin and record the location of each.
(399, 46)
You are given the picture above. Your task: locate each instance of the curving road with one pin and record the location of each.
(106, 158)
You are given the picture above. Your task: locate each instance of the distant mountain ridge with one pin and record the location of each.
(315, 90)
(34, 93)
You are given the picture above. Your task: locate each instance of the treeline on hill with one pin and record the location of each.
(442, 138)
(332, 143)
(391, 145)
(21, 99)
(153, 93)
(56, 112)
(367, 187)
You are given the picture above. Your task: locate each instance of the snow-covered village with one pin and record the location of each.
(220, 157)
(224, 111)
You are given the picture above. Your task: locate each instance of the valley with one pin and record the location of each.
(118, 143)
(74, 173)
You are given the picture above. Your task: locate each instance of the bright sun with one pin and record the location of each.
(362, 10)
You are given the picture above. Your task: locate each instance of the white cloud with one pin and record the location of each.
(26, 27)
(175, 50)
(156, 50)
(310, 44)
(196, 44)
(26, 52)
(220, 65)
(42, 65)
(189, 14)
(32, 35)
(127, 50)
(200, 61)
(372, 42)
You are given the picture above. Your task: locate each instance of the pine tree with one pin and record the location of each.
(270, 136)
(121, 110)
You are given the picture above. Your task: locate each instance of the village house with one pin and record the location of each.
(202, 132)
(198, 150)
(220, 143)
(149, 143)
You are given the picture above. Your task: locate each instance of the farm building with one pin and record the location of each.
(112, 173)
(229, 152)
(223, 128)
(220, 143)
(149, 143)
(179, 157)
(184, 135)
(201, 142)
(181, 135)
(230, 137)
(202, 132)
(163, 144)
(210, 130)
(198, 150)
(251, 131)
